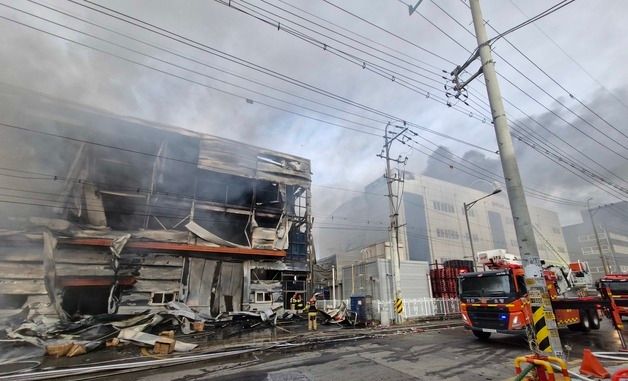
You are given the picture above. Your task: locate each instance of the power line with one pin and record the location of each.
(335, 32)
(493, 177)
(437, 27)
(222, 70)
(394, 76)
(248, 99)
(553, 98)
(618, 99)
(584, 154)
(388, 47)
(208, 49)
(389, 32)
(513, 105)
(546, 12)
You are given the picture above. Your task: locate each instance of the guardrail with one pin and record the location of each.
(413, 308)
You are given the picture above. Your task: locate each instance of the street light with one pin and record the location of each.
(466, 216)
(597, 238)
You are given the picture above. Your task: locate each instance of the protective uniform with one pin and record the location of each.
(312, 312)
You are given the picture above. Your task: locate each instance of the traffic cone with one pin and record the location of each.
(591, 366)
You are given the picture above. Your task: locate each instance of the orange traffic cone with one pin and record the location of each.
(591, 366)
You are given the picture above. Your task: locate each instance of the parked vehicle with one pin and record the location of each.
(617, 286)
(496, 300)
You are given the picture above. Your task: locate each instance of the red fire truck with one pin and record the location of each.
(496, 300)
(616, 287)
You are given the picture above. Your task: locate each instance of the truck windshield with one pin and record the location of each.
(619, 287)
(498, 285)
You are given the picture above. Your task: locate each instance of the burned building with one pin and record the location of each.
(101, 213)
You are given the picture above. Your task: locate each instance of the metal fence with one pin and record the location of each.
(413, 308)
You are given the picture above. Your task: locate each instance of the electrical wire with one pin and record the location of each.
(394, 76)
(372, 41)
(389, 32)
(551, 96)
(545, 13)
(584, 70)
(588, 171)
(210, 50)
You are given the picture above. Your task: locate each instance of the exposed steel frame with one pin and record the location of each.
(177, 247)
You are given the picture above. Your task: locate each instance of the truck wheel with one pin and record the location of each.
(585, 324)
(481, 335)
(594, 319)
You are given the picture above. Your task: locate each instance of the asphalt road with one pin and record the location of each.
(448, 354)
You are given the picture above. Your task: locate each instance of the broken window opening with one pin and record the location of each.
(11, 301)
(261, 275)
(162, 298)
(267, 196)
(224, 189)
(297, 201)
(85, 300)
(263, 297)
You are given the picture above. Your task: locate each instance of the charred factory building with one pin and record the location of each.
(102, 214)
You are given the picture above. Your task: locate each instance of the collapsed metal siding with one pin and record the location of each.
(239, 159)
(160, 182)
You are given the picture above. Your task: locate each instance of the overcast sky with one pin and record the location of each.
(587, 57)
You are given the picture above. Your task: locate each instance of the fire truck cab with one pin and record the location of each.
(496, 300)
(616, 286)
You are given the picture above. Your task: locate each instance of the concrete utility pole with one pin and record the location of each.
(544, 324)
(597, 239)
(333, 285)
(394, 213)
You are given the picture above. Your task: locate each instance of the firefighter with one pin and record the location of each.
(296, 303)
(293, 302)
(299, 305)
(312, 312)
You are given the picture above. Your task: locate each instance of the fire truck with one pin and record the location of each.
(615, 286)
(496, 300)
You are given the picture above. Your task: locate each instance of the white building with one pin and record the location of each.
(433, 225)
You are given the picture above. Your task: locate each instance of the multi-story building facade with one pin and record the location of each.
(113, 213)
(611, 223)
(433, 226)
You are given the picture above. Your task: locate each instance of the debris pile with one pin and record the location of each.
(156, 331)
(341, 315)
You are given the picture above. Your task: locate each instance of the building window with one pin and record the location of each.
(262, 297)
(475, 237)
(498, 205)
(161, 298)
(588, 250)
(443, 207)
(470, 212)
(590, 237)
(447, 234)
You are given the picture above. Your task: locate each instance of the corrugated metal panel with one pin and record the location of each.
(239, 159)
(414, 281)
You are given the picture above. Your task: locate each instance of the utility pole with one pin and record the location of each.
(545, 338)
(597, 239)
(394, 212)
(333, 285)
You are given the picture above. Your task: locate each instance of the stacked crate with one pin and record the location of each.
(444, 277)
